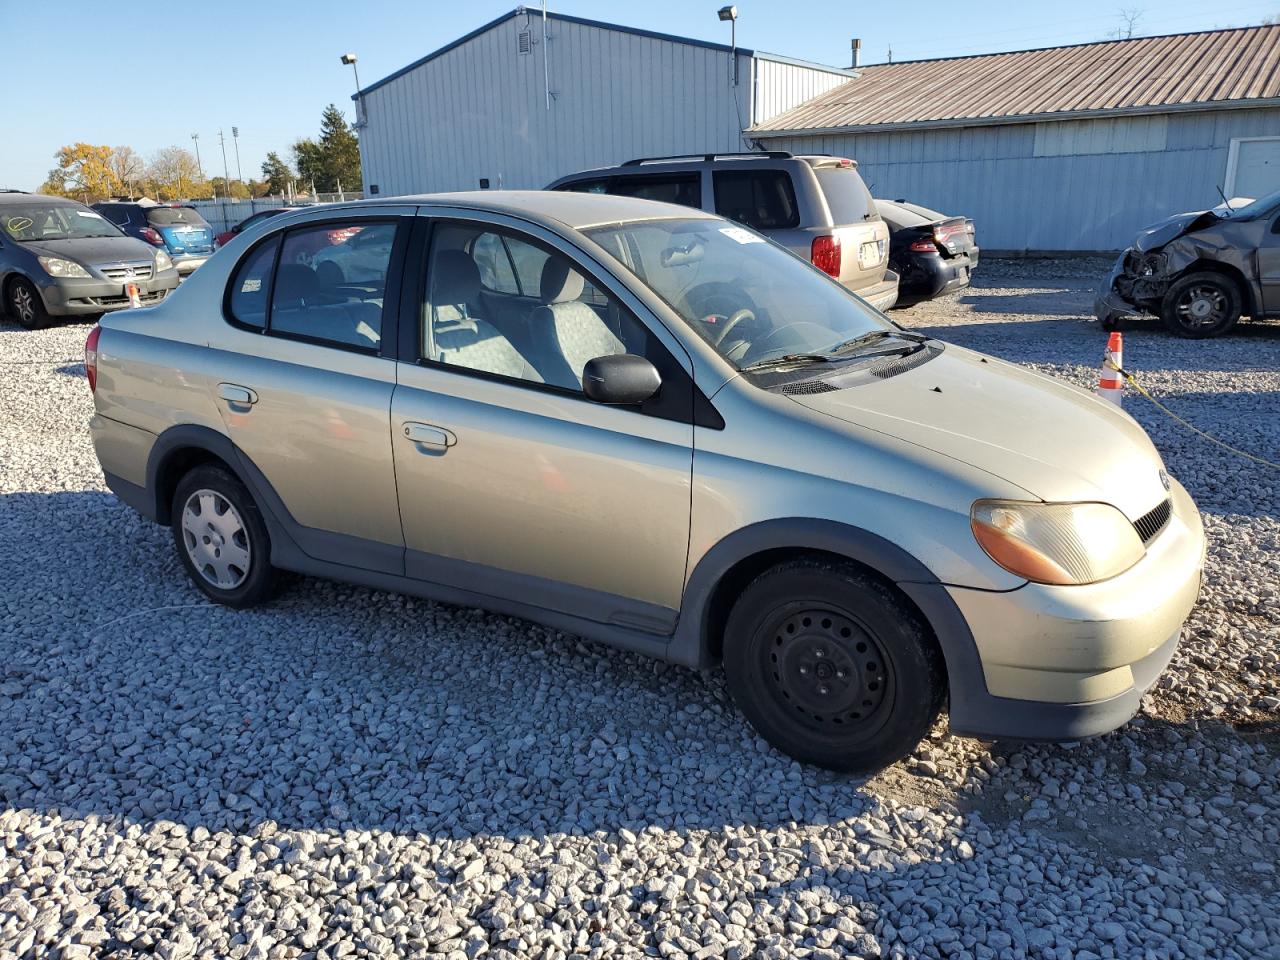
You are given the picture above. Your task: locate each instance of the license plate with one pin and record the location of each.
(870, 253)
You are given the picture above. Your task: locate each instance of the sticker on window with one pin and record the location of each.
(742, 236)
(88, 213)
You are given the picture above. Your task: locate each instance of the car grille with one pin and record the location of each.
(1152, 522)
(141, 271)
(155, 296)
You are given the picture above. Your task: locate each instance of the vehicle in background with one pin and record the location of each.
(58, 258)
(222, 239)
(358, 257)
(815, 206)
(176, 228)
(1200, 272)
(933, 254)
(526, 410)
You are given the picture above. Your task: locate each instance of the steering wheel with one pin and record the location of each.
(736, 318)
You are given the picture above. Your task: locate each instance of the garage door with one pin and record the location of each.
(1253, 169)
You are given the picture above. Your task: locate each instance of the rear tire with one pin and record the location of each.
(1201, 305)
(24, 304)
(832, 667)
(221, 538)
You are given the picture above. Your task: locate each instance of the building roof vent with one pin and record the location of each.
(524, 42)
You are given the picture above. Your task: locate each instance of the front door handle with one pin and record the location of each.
(430, 436)
(234, 393)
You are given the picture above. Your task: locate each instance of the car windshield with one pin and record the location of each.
(1257, 208)
(53, 221)
(168, 216)
(749, 298)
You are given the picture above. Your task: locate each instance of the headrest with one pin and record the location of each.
(455, 280)
(296, 283)
(560, 282)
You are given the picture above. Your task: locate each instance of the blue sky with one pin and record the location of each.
(95, 72)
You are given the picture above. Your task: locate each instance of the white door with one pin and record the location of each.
(1253, 167)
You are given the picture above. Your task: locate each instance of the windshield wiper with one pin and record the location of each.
(875, 336)
(787, 360)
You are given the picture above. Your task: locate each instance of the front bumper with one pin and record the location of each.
(70, 296)
(1070, 662)
(882, 295)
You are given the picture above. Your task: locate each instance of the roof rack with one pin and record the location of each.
(752, 155)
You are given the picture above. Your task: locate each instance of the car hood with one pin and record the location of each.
(1170, 228)
(1054, 440)
(92, 250)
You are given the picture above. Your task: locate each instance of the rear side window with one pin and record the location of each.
(684, 189)
(847, 196)
(761, 199)
(586, 186)
(168, 216)
(251, 286)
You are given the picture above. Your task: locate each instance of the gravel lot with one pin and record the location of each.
(350, 773)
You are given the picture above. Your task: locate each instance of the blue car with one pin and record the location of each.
(177, 229)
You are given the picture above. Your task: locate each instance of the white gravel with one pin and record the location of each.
(351, 773)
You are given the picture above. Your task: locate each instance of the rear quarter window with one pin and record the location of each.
(250, 287)
(847, 196)
(761, 199)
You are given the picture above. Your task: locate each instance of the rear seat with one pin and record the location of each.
(356, 322)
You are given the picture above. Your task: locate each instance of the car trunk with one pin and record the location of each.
(954, 236)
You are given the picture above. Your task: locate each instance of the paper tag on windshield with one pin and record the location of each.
(88, 213)
(742, 236)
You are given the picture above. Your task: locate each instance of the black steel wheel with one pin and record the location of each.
(832, 666)
(1201, 305)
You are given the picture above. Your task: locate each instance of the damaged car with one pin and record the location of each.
(1200, 272)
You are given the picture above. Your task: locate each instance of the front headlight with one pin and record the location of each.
(1058, 543)
(57, 267)
(163, 262)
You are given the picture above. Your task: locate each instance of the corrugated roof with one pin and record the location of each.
(1139, 75)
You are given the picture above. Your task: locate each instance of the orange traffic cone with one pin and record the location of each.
(1110, 383)
(131, 291)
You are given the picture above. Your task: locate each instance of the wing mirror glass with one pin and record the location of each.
(620, 379)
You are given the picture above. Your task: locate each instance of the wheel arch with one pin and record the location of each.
(1248, 302)
(175, 453)
(726, 569)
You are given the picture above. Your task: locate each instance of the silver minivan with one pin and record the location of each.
(523, 405)
(816, 206)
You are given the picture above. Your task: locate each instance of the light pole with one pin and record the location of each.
(226, 177)
(350, 60)
(235, 136)
(195, 138)
(731, 14)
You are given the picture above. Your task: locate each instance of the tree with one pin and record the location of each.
(130, 171)
(276, 173)
(333, 160)
(84, 171)
(1129, 17)
(221, 188)
(175, 175)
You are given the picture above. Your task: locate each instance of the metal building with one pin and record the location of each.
(1066, 148)
(524, 100)
(1060, 149)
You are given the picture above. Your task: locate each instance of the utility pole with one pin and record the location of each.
(226, 177)
(195, 138)
(235, 135)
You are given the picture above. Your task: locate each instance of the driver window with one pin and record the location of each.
(502, 304)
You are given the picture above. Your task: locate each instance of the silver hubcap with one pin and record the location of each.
(23, 305)
(1202, 307)
(216, 539)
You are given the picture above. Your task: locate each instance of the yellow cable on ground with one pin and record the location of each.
(1129, 378)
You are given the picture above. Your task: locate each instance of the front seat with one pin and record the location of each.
(568, 330)
(456, 337)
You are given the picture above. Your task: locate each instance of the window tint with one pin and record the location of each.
(251, 285)
(763, 199)
(586, 186)
(168, 216)
(847, 196)
(333, 291)
(684, 189)
(544, 336)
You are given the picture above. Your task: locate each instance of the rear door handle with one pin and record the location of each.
(430, 436)
(234, 393)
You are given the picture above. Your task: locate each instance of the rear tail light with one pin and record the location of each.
(825, 255)
(152, 237)
(924, 246)
(91, 357)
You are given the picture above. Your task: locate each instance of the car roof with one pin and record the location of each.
(575, 210)
(38, 198)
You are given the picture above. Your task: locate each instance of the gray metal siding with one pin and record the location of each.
(479, 110)
(1068, 201)
(781, 85)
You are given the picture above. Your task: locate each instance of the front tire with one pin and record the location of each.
(25, 305)
(832, 667)
(221, 538)
(1201, 305)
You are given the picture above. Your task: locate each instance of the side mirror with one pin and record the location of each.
(620, 379)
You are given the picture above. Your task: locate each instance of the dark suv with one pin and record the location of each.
(175, 228)
(815, 206)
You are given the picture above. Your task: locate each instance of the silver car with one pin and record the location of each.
(526, 410)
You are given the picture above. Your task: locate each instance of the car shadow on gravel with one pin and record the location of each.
(1061, 303)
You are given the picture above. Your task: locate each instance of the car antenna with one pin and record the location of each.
(1225, 201)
